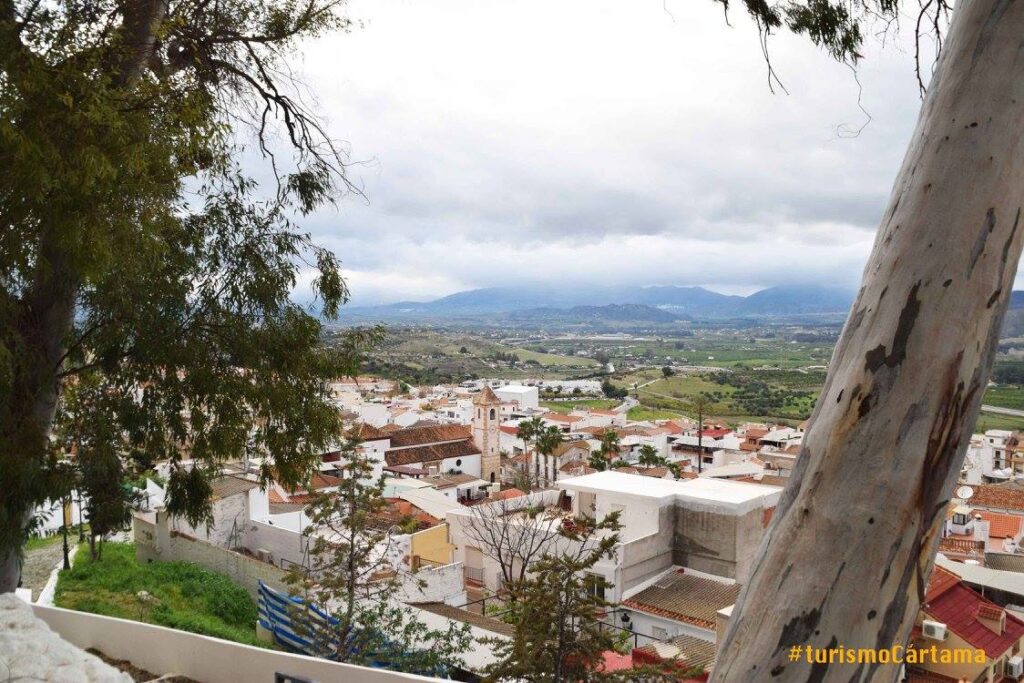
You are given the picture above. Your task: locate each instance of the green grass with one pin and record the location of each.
(39, 542)
(1006, 396)
(188, 597)
(988, 421)
(566, 406)
(644, 414)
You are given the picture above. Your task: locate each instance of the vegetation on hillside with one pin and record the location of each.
(179, 595)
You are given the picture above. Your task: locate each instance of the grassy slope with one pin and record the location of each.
(566, 406)
(188, 597)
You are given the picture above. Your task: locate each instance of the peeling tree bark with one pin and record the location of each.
(849, 552)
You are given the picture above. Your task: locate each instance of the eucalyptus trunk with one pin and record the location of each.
(848, 555)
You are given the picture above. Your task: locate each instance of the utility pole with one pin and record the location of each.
(65, 514)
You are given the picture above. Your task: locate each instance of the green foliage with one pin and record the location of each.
(137, 258)
(556, 609)
(612, 391)
(348, 577)
(184, 595)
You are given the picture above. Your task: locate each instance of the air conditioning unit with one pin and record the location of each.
(265, 555)
(933, 629)
(1015, 667)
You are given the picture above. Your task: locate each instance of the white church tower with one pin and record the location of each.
(486, 420)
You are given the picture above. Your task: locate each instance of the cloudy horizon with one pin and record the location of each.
(502, 143)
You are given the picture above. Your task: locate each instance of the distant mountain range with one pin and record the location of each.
(593, 305)
(654, 304)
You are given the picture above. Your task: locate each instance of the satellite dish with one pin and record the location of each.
(964, 492)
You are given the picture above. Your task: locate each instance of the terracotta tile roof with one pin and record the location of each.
(685, 597)
(715, 433)
(958, 608)
(567, 446)
(941, 581)
(509, 429)
(323, 481)
(1001, 525)
(447, 481)
(627, 469)
(429, 434)
(657, 472)
(509, 493)
(608, 413)
(756, 432)
(430, 453)
(998, 496)
(576, 467)
(688, 651)
(225, 487)
(487, 397)
(366, 432)
(559, 417)
(407, 469)
(596, 431)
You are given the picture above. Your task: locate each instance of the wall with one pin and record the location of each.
(159, 542)
(285, 546)
(433, 584)
(706, 541)
(162, 650)
(647, 556)
(432, 544)
(230, 515)
(644, 623)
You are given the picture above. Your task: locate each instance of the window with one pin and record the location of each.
(959, 518)
(492, 413)
(458, 463)
(597, 587)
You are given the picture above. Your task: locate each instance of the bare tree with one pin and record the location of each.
(514, 532)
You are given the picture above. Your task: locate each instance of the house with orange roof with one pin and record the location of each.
(1000, 531)
(957, 620)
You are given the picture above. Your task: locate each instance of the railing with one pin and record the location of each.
(475, 574)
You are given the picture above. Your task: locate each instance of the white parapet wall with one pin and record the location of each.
(163, 651)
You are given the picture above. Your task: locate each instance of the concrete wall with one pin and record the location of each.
(647, 556)
(705, 541)
(159, 542)
(717, 543)
(285, 546)
(433, 584)
(432, 544)
(162, 650)
(229, 515)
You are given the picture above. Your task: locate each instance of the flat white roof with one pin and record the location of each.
(517, 388)
(702, 493)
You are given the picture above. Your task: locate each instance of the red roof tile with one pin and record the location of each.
(1001, 525)
(958, 608)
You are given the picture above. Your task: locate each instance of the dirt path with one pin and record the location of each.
(39, 563)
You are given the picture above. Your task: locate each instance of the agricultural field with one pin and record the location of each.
(567, 406)
(766, 373)
(423, 356)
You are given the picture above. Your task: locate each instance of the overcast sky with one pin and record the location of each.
(515, 141)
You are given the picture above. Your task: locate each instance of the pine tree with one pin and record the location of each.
(350, 579)
(555, 611)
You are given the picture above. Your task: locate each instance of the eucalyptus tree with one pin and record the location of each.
(132, 243)
(851, 545)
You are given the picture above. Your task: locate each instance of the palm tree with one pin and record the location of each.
(547, 441)
(609, 449)
(528, 431)
(649, 456)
